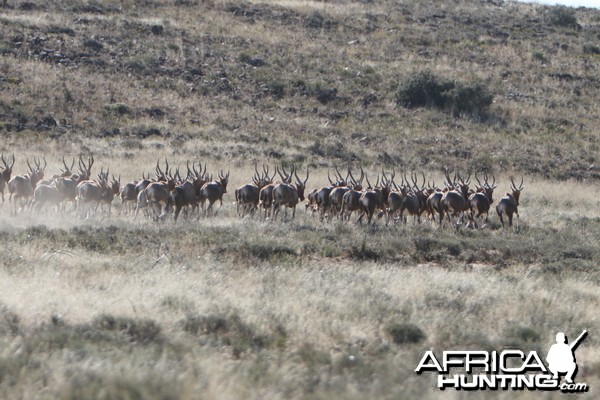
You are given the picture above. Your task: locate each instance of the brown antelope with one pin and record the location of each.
(373, 199)
(311, 202)
(288, 195)
(188, 192)
(21, 186)
(91, 192)
(481, 200)
(351, 199)
(5, 174)
(247, 196)
(403, 199)
(265, 196)
(157, 195)
(336, 195)
(128, 196)
(322, 197)
(114, 188)
(455, 201)
(434, 204)
(85, 170)
(509, 204)
(213, 191)
(43, 194)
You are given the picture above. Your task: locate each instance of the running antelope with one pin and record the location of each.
(5, 173)
(374, 198)
(21, 186)
(455, 202)
(481, 200)
(288, 195)
(351, 199)
(91, 192)
(213, 191)
(247, 196)
(509, 204)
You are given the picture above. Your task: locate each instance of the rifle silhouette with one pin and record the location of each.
(579, 339)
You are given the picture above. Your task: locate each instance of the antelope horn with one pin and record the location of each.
(368, 183)
(477, 179)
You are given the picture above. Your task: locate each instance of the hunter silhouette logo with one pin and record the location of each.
(509, 369)
(561, 356)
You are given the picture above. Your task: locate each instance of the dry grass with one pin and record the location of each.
(228, 308)
(225, 308)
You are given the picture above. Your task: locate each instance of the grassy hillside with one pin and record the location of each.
(312, 82)
(230, 308)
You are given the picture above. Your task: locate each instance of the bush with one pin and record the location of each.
(471, 100)
(564, 17)
(426, 90)
(404, 333)
(422, 90)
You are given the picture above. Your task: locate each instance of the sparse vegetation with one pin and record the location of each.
(229, 308)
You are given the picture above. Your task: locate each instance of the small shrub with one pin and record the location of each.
(539, 55)
(405, 333)
(230, 330)
(422, 90)
(142, 331)
(564, 17)
(464, 99)
(589, 48)
(93, 45)
(117, 109)
(426, 90)
(277, 89)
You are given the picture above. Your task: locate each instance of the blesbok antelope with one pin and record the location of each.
(158, 197)
(311, 202)
(509, 204)
(400, 200)
(373, 199)
(434, 204)
(287, 195)
(85, 170)
(187, 192)
(92, 192)
(141, 203)
(407, 199)
(247, 196)
(336, 195)
(265, 198)
(43, 194)
(351, 198)
(128, 196)
(5, 174)
(21, 186)
(213, 191)
(481, 200)
(322, 197)
(114, 188)
(455, 202)
(265, 195)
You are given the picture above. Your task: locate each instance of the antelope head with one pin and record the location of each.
(7, 168)
(68, 171)
(301, 184)
(223, 180)
(516, 191)
(85, 170)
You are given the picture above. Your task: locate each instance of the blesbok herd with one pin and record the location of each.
(193, 195)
